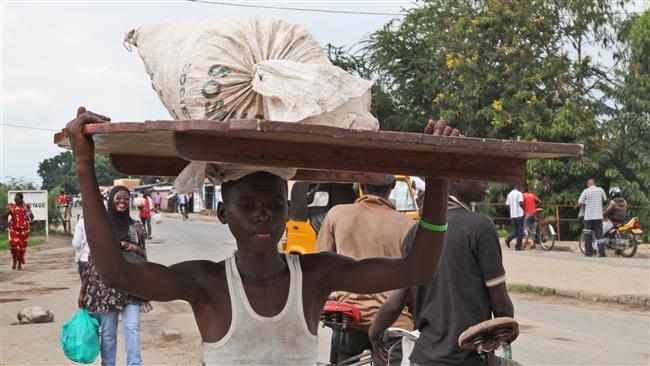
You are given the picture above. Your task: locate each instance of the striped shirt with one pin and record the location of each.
(593, 198)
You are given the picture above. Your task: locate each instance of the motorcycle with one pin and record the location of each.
(623, 237)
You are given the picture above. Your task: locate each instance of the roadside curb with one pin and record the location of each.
(637, 301)
(643, 250)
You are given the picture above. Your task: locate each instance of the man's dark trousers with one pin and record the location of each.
(596, 228)
(518, 223)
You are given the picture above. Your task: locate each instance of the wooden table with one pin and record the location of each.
(321, 153)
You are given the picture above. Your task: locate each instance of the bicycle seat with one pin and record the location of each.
(339, 315)
(489, 335)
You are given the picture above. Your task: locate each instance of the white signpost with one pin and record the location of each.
(37, 200)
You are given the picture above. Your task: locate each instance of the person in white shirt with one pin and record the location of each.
(80, 244)
(515, 202)
(591, 200)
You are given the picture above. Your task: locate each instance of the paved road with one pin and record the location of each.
(553, 332)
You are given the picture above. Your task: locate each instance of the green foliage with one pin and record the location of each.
(60, 172)
(531, 290)
(13, 184)
(4, 241)
(523, 69)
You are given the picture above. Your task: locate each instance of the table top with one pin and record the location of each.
(319, 152)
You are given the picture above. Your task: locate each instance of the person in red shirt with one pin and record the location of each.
(145, 213)
(531, 202)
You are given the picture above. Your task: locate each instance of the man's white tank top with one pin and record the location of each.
(283, 339)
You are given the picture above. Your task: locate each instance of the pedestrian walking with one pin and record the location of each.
(182, 203)
(515, 202)
(80, 244)
(106, 303)
(531, 202)
(19, 229)
(157, 201)
(145, 213)
(591, 199)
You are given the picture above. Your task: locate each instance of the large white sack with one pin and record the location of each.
(250, 68)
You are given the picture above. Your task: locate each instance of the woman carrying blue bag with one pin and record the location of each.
(105, 303)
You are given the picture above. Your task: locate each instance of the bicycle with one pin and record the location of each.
(544, 234)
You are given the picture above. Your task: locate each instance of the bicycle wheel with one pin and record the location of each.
(546, 238)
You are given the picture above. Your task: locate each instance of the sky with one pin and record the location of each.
(58, 55)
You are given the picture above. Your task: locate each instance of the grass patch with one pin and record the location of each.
(531, 290)
(503, 233)
(4, 242)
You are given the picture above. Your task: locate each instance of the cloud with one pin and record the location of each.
(8, 16)
(19, 99)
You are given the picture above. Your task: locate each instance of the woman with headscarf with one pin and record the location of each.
(19, 226)
(105, 303)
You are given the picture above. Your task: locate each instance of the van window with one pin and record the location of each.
(321, 199)
(401, 197)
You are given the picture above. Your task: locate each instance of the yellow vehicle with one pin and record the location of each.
(310, 202)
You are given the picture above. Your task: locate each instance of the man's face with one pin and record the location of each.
(256, 210)
(18, 199)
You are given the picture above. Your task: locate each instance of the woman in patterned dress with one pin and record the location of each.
(21, 217)
(105, 303)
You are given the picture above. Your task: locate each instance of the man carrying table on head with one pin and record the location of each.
(253, 308)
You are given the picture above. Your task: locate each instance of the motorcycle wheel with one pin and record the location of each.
(630, 249)
(546, 239)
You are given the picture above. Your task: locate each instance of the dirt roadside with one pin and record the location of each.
(50, 280)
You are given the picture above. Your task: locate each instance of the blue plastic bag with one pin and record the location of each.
(80, 337)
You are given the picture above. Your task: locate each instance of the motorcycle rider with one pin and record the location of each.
(617, 208)
(616, 211)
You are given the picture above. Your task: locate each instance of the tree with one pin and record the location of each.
(60, 172)
(509, 69)
(13, 184)
(629, 129)
(382, 106)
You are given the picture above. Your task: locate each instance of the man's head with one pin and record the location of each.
(468, 191)
(591, 183)
(381, 189)
(255, 208)
(18, 198)
(524, 188)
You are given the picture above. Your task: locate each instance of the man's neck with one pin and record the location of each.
(259, 267)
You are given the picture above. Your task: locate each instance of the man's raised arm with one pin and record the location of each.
(147, 280)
